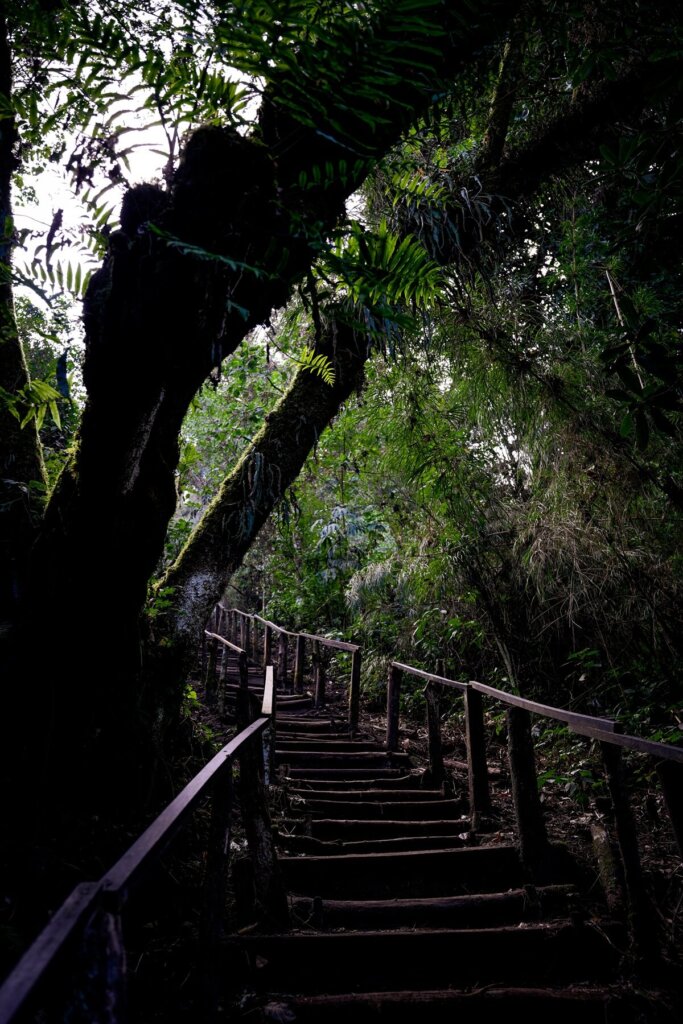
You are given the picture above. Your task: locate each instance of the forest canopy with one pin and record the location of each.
(450, 229)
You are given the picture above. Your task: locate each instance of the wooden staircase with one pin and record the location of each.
(400, 912)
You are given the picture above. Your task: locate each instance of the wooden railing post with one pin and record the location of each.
(299, 656)
(214, 893)
(393, 707)
(671, 780)
(531, 833)
(318, 675)
(101, 994)
(477, 767)
(282, 657)
(242, 708)
(267, 645)
(210, 687)
(243, 631)
(436, 768)
(269, 733)
(354, 691)
(627, 840)
(270, 897)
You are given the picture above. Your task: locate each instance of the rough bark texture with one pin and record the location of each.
(247, 496)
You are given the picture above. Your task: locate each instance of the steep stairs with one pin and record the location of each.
(400, 912)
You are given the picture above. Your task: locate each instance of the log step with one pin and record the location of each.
(334, 962)
(332, 847)
(384, 828)
(305, 785)
(324, 745)
(410, 810)
(346, 775)
(319, 736)
(483, 910)
(314, 758)
(450, 872)
(378, 794)
(487, 1006)
(305, 722)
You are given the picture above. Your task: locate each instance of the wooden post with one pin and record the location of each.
(477, 767)
(627, 840)
(271, 906)
(210, 688)
(531, 834)
(436, 769)
(282, 658)
(213, 911)
(267, 645)
(269, 709)
(222, 676)
(247, 634)
(243, 632)
(318, 675)
(354, 691)
(671, 779)
(242, 709)
(393, 707)
(299, 656)
(101, 994)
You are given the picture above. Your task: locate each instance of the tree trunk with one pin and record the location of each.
(195, 582)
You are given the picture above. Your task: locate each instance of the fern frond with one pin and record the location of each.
(317, 363)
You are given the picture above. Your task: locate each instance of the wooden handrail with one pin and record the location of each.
(604, 729)
(117, 883)
(226, 643)
(273, 625)
(326, 641)
(130, 867)
(429, 676)
(568, 717)
(38, 958)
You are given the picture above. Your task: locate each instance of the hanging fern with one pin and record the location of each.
(316, 363)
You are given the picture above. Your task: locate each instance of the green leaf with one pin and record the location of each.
(317, 363)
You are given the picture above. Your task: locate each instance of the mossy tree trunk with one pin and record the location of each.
(273, 460)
